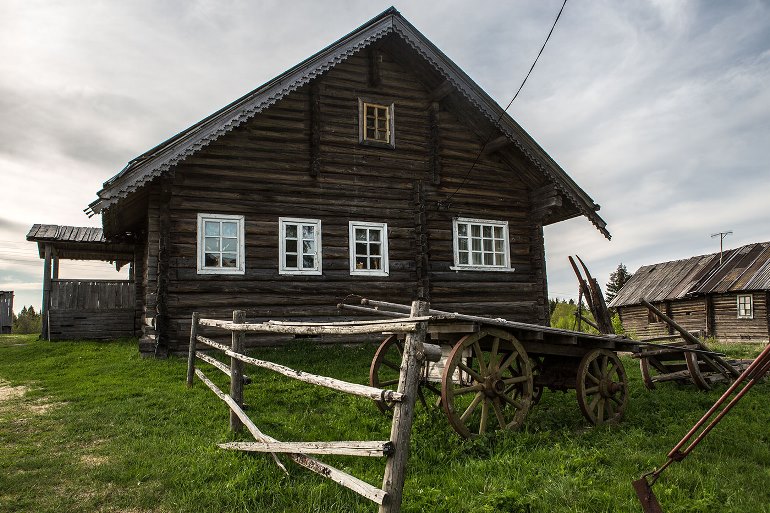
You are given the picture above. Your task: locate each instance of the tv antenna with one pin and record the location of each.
(721, 236)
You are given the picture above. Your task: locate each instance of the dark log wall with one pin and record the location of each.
(693, 315)
(268, 168)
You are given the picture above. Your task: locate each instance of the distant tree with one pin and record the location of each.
(617, 280)
(563, 317)
(28, 321)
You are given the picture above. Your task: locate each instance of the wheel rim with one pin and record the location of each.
(385, 369)
(602, 387)
(487, 383)
(644, 367)
(693, 365)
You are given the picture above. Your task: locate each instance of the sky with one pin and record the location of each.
(660, 110)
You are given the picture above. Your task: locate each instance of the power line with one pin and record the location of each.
(493, 131)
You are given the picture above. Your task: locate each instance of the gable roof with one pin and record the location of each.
(163, 157)
(743, 269)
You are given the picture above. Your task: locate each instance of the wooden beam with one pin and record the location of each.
(375, 394)
(315, 129)
(345, 448)
(399, 327)
(44, 311)
(238, 344)
(191, 354)
(375, 73)
(435, 143)
(442, 91)
(495, 145)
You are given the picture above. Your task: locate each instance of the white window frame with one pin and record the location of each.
(383, 228)
(391, 126)
(505, 267)
(282, 269)
(751, 306)
(240, 267)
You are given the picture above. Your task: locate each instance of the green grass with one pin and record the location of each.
(101, 429)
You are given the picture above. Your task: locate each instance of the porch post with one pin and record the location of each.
(46, 334)
(55, 265)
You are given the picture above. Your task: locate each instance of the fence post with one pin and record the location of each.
(403, 412)
(236, 371)
(193, 343)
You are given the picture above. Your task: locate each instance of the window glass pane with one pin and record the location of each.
(211, 227)
(487, 231)
(370, 133)
(374, 249)
(308, 261)
(212, 244)
(476, 230)
(211, 260)
(476, 244)
(229, 229)
(360, 262)
(291, 231)
(308, 246)
(291, 246)
(499, 258)
(229, 259)
(375, 263)
(488, 259)
(487, 244)
(463, 257)
(462, 230)
(229, 244)
(498, 245)
(360, 249)
(462, 244)
(308, 231)
(374, 235)
(498, 232)
(361, 234)
(291, 261)
(476, 258)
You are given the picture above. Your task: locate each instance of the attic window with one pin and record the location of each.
(375, 123)
(745, 306)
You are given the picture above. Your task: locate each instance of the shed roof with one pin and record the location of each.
(163, 157)
(743, 269)
(80, 243)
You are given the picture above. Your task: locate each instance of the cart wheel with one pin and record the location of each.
(385, 369)
(602, 387)
(537, 390)
(487, 383)
(696, 375)
(644, 366)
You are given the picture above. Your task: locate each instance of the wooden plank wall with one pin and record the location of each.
(692, 315)
(6, 311)
(92, 309)
(267, 168)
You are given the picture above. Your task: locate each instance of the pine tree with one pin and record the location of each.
(617, 280)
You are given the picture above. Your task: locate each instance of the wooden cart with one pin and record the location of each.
(489, 372)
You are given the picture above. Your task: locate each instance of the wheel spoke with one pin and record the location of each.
(508, 361)
(604, 366)
(517, 379)
(493, 353)
(472, 407)
(388, 363)
(595, 367)
(480, 355)
(515, 404)
(593, 378)
(498, 412)
(600, 413)
(592, 390)
(464, 390)
(484, 416)
(475, 375)
(616, 400)
(592, 404)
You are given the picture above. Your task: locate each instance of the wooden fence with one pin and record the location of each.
(394, 450)
(91, 309)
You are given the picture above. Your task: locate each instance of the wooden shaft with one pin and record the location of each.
(191, 352)
(372, 311)
(403, 412)
(722, 363)
(46, 332)
(397, 327)
(375, 394)
(236, 371)
(345, 448)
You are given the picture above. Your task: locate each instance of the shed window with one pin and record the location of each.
(745, 306)
(368, 248)
(376, 123)
(220, 244)
(300, 250)
(481, 244)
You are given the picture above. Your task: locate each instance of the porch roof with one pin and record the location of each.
(80, 243)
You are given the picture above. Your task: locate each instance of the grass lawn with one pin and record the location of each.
(93, 427)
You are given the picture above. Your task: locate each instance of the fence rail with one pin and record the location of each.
(395, 450)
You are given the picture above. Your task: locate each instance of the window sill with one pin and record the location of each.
(482, 268)
(221, 271)
(299, 272)
(369, 273)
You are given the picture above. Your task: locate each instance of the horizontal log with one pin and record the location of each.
(350, 323)
(354, 448)
(216, 363)
(395, 327)
(375, 394)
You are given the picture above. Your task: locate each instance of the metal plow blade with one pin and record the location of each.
(646, 496)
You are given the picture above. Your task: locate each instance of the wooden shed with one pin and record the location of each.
(376, 166)
(728, 301)
(6, 311)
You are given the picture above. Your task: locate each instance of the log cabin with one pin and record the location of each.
(375, 166)
(723, 296)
